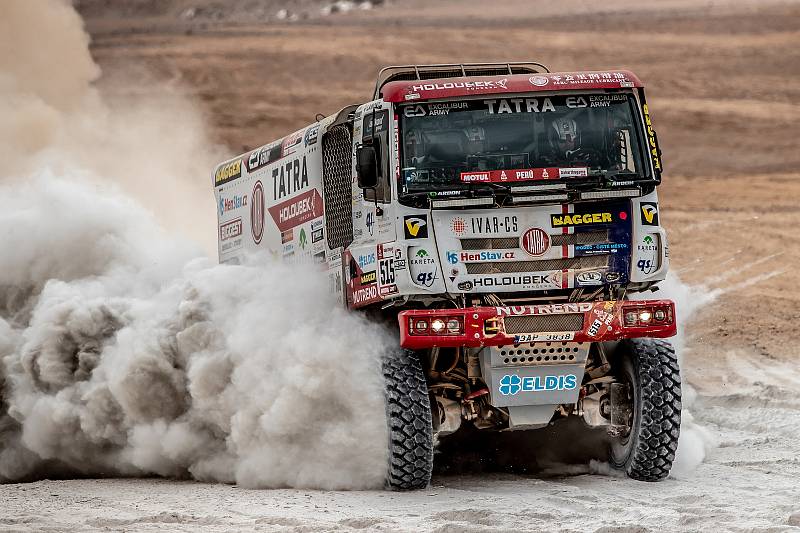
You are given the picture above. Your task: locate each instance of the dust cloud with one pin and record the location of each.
(124, 350)
(695, 440)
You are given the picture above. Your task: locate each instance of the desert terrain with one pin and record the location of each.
(723, 83)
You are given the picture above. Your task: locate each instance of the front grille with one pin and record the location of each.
(574, 263)
(537, 323)
(503, 243)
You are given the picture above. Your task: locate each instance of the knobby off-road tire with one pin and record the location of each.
(650, 366)
(408, 414)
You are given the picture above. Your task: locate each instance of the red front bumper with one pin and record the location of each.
(486, 326)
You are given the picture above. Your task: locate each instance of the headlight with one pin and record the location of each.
(438, 325)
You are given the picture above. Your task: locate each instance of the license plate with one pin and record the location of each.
(544, 337)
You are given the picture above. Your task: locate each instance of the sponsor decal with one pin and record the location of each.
(422, 266)
(317, 235)
(470, 177)
(289, 178)
(415, 226)
(385, 251)
(311, 135)
(381, 122)
(588, 78)
(257, 213)
(370, 222)
(388, 289)
(512, 384)
(263, 156)
(655, 153)
(466, 85)
(319, 257)
(303, 241)
(585, 219)
(590, 278)
(465, 286)
(551, 309)
(538, 81)
(287, 236)
(231, 229)
(524, 174)
(365, 295)
(368, 277)
(228, 172)
(298, 210)
(544, 337)
(648, 255)
(478, 256)
(611, 277)
(527, 281)
(365, 260)
(399, 264)
(231, 204)
(290, 143)
(649, 212)
(600, 248)
(519, 105)
(458, 226)
(602, 323)
(425, 279)
(577, 172)
(421, 110)
(535, 241)
(494, 224)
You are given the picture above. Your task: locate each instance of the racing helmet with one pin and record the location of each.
(564, 135)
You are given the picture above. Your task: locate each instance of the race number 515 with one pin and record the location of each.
(387, 271)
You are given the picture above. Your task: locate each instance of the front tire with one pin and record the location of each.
(649, 368)
(408, 414)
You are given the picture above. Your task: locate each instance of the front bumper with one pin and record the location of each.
(500, 326)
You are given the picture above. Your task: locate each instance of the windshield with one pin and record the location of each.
(446, 144)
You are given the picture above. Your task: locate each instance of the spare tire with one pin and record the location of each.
(408, 415)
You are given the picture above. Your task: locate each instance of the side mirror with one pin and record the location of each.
(367, 167)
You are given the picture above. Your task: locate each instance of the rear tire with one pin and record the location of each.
(408, 414)
(650, 367)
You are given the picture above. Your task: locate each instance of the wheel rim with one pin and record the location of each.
(622, 446)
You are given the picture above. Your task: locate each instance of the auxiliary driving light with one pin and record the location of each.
(436, 326)
(453, 326)
(637, 315)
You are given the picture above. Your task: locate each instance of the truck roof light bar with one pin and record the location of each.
(534, 188)
(463, 202)
(541, 198)
(620, 193)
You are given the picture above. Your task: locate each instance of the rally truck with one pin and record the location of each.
(504, 218)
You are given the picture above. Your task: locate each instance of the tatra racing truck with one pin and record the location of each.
(504, 218)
